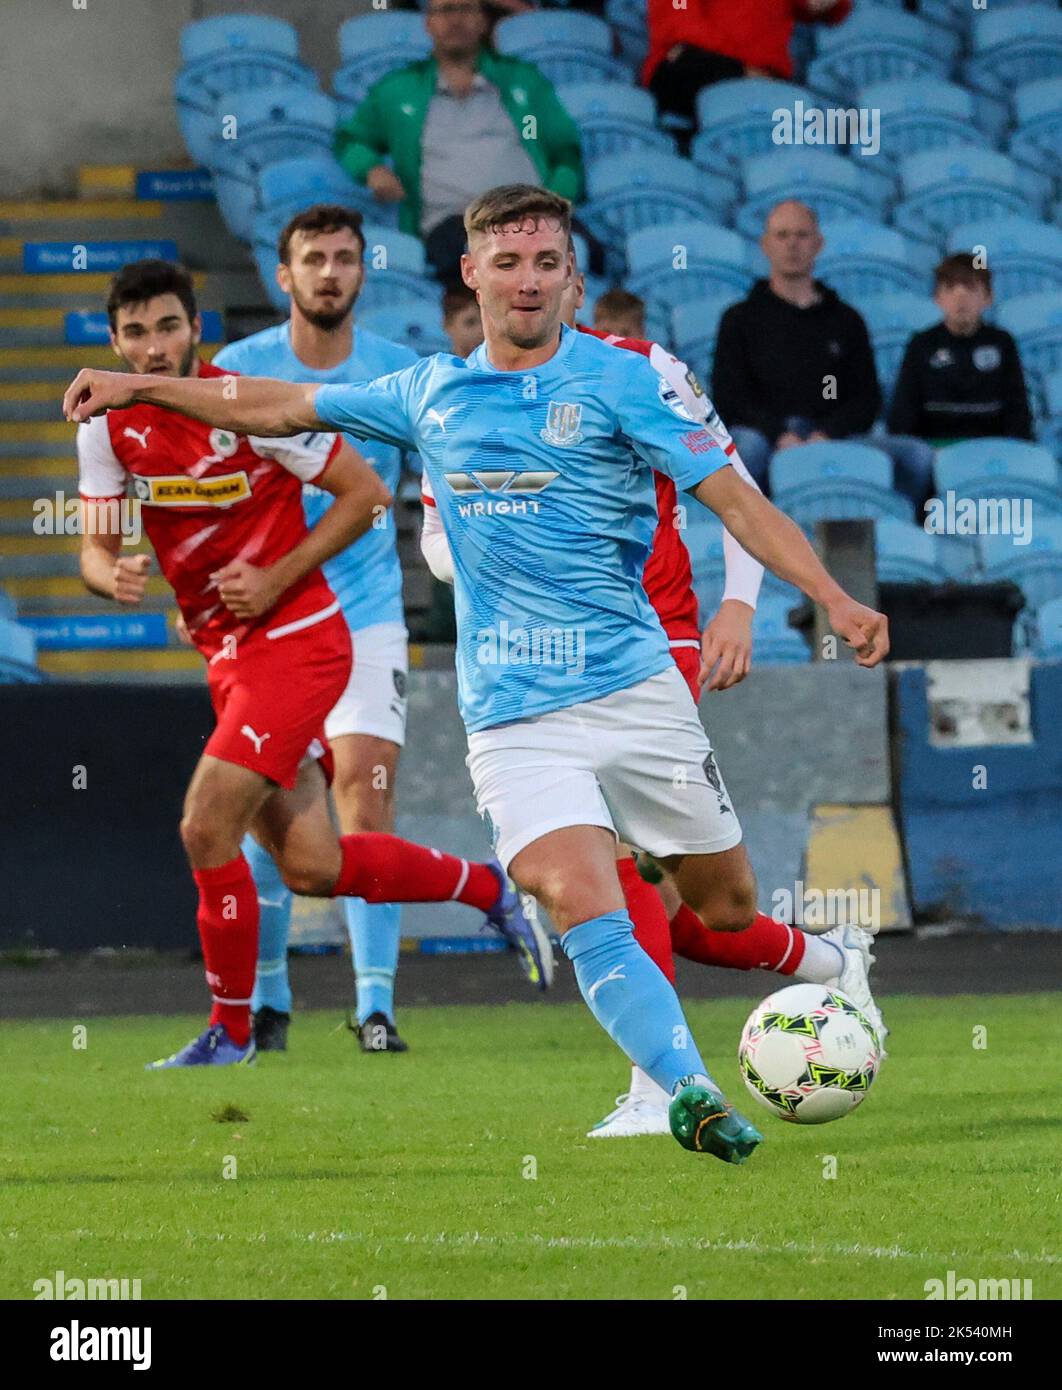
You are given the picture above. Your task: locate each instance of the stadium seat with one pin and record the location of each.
(1038, 114)
(774, 642)
(992, 468)
(736, 118)
(236, 33)
(272, 124)
(628, 192)
(944, 188)
(906, 554)
(418, 324)
(18, 653)
(890, 320)
(834, 187)
(293, 184)
(876, 45)
(1048, 643)
(923, 114)
(1025, 257)
(372, 45)
(1015, 45)
(1035, 320)
(565, 45)
(695, 325)
(627, 19)
(613, 118)
(1050, 430)
(835, 481)
(1036, 567)
(711, 259)
(864, 258)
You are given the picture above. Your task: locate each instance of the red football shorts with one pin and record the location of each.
(271, 699)
(688, 660)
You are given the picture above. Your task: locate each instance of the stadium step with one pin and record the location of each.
(161, 661)
(106, 181)
(62, 587)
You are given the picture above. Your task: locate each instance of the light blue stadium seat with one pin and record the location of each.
(627, 19)
(906, 554)
(372, 45)
(1015, 45)
(1049, 631)
(876, 45)
(736, 118)
(695, 326)
(923, 114)
(1036, 567)
(235, 33)
(715, 259)
(890, 320)
(835, 481)
(628, 192)
(774, 642)
(418, 324)
(863, 258)
(202, 89)
(18, 653)
(1049, 430)
(293, 184)
(1035, 320)
(613, 119)
(1024, 256)
(833, 186)
(996, 468)
(943, 188)
(1038, 113)
(271, 124)
(565, 46)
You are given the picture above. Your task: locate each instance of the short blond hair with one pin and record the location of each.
(514, 203)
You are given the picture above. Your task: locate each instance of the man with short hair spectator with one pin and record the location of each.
(462, 320)
(693, 45)
(620, 313)
(794, 364)
(962, 378)
(464, 119)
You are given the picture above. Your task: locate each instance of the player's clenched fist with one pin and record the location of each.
(92, 392)
(246, 591)
(130, 578)
(863, 629)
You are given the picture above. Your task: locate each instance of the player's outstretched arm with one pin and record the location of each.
(242, 404)
(780, 544)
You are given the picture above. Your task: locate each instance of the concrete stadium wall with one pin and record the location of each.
(91, 81)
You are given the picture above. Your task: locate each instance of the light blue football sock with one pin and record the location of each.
(632, 1000)
(374, 935)
(271, 988)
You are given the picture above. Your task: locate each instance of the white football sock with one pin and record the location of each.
(822, 961)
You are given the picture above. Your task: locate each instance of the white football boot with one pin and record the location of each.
(643, 1110)
(854, 979)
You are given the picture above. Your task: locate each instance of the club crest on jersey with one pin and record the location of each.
(224, 443)
(562, 427)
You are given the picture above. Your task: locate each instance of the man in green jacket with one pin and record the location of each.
(463, 120)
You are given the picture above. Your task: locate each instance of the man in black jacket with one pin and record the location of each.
(794, 364)
(962, 378)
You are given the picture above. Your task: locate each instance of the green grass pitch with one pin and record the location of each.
(461, 1170)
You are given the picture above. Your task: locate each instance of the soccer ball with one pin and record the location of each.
(808, 1054)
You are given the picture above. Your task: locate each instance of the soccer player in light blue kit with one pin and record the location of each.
(539, 450)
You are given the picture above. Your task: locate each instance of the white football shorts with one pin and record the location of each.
(374, 701)
(637, 762)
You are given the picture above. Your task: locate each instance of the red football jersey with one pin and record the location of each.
(209, 497)
(668, 578)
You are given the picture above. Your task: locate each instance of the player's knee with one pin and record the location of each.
(733, 909)
(306, 876)
(201, 838)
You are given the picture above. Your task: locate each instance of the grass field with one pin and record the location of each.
(414, 1172)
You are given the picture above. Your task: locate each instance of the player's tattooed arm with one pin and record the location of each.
(242, 404)
(778, 542)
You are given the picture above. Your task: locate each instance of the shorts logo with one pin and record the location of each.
(711, 772)
(182, 491)
(563, 422)
(492, 830)
(399, 678)
(256, 739)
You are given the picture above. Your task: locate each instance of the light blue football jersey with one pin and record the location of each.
(543, 480)
(366, 577)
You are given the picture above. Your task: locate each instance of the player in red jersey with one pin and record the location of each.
(716, 659)
(224, 514)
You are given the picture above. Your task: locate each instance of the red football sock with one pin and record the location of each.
(651, 930)
(228, 929)
(764, 945)
(385, 869)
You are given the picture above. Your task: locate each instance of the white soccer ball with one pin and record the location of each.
(808, 1054)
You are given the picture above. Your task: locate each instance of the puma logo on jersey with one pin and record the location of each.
(439, 416)
(256, 739)
(616, 973)
(141, 439)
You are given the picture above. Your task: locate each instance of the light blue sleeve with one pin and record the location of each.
(660, 429)
(229, 358)
(377, 409)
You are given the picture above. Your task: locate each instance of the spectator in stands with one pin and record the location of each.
(462, 321)
(693, 45)
(962, 378)
(464, 119)
(621, 313)
(794, 364)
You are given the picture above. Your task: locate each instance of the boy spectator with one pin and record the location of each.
(620, 313)
(962, 378)
(462, 321)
